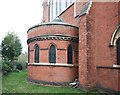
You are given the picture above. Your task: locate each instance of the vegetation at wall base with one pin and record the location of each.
(7, 66)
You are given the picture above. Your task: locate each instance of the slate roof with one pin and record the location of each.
(57, 19)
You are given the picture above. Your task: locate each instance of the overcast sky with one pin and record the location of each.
(19, 16)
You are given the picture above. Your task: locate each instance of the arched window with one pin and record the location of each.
(28, 54)
(36, 58)
(69, 55)
(118, 51)
(52, 54)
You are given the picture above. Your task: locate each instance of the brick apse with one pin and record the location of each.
(76, 40)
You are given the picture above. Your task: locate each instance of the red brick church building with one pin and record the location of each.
(76, 40)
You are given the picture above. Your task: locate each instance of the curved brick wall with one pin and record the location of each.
(56, 74)
(61, 51)
(53, 29)
(42, 35)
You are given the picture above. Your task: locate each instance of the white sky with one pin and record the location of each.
(19, 16)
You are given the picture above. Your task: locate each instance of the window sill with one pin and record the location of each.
(52, 64)
(114, 65)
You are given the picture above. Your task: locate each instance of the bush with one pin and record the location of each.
(22, 60)
(6, 67)
(19, 66)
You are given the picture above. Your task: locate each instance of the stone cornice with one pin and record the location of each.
(53, 37)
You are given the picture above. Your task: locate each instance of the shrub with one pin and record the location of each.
(22, 60)
(19, 66)
(6, 67)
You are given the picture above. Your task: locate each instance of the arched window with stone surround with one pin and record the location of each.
(36, 56)
(28, 54)
(52, 54)
(69, 55)
(118, 51)
(115, 41)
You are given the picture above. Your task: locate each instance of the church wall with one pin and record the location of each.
(90, 44)
(68, 16)
(108, 78)
(83, 70)
(105, 23)
(95, 34)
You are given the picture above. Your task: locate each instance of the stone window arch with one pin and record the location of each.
(69, 55)
(28, 54)
(36, 54)
(52, 54)
(115, 41)
(115, 36)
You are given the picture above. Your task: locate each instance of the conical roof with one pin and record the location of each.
(57, 19)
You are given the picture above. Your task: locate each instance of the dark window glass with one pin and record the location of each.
(118, 52)
(28, 54)
(36, 54)
(69, 54)
(52, 54)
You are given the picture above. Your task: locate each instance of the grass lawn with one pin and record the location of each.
(16, 82)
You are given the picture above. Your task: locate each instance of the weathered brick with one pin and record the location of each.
(94, 56)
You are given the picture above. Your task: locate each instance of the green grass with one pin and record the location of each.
(16, 82)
